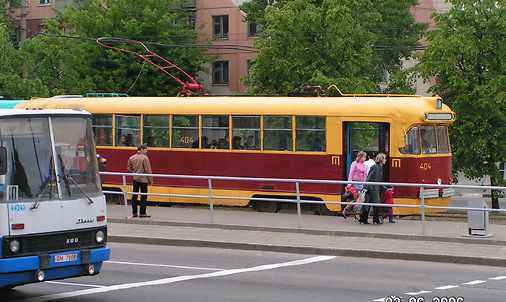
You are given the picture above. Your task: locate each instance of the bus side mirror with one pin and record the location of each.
(3, 160)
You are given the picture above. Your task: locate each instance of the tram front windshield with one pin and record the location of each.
(31, 167)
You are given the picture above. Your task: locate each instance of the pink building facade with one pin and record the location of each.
(224, 25)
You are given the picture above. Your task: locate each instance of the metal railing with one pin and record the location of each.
(432, 192)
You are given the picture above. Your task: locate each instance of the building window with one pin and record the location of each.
(254, 29)
(220, 72)
(220, 27)
(44, 1)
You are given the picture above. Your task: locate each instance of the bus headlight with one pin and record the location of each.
(14, 246)
(100, 236)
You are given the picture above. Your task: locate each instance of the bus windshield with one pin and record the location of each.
(39, 151)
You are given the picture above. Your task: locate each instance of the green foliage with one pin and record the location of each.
(330, 42)
(467, 57)
(76, 64)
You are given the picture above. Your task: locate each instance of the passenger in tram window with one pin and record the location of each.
(318, 145)
(236, 143)
(250, 144)
(122, 140)
(214, 144)
(205, 143)
(129, 140)
(221, 144)
(226, 143)
(151, 141)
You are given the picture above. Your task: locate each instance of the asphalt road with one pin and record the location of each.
(162, 273)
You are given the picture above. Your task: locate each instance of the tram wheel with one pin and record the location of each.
(266, 206)
(324, 211)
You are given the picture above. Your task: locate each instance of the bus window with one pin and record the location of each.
(428, 136)
(248, 129)
(156, 131)
(215, 128)
(278, 133)
(129, 126)
(412, 142)
(310, 133)
(102, 127)
(443, 142)
(185, 130)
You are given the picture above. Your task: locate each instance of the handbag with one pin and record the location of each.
(360, 199)
(348, 196)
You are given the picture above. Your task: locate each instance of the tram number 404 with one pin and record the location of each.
(425, 166)
(186, 139)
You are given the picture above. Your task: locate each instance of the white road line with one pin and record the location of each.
(474, 282)
(165, 265)
(418, 293)
(178, 279)
(74, 284)
(498, 278)
(380, 300)
(446, 287)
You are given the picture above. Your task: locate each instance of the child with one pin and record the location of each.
(387, 198)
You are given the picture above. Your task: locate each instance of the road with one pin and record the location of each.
(162, 273)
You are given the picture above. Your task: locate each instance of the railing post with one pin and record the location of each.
(422, 204)
(125, 199)
(211, 199)
(298, 204)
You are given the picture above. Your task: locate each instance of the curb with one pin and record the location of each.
(464, 240)
(312, 250)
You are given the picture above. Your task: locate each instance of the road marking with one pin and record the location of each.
(446, 287)
(498, 278)
(75, 284)
(179, 279)
(418, 293)
(165, 265)
(474, 282)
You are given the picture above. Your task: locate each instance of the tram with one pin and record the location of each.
(272, 137)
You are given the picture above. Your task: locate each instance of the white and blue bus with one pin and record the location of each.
(53, 222)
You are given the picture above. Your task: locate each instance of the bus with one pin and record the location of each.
(273, 137)
(53, 221)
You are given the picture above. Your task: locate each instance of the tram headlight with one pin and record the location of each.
(14, 246)
(100, 236)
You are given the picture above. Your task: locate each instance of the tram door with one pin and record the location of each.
(368, 137)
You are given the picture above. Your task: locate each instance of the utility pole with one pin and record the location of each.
(23, 21)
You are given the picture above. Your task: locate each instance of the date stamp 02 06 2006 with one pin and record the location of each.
(422, 299)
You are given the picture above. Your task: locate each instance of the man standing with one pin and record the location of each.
(139, 164)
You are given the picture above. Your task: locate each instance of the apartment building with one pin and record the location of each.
(232, 38)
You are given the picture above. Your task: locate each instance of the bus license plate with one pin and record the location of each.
(65, 258)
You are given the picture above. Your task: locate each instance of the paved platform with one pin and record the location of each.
(237, 228)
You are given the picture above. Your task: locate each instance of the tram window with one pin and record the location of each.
(215, 128)
(428, 136)
(248, 129)
(310, 133)
(278, 133)
(156, 130)
(185, 131)
(443, 142)
(130, 127)
(102, 128)
(412, 142)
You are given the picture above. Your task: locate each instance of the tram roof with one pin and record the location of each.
(384, 106)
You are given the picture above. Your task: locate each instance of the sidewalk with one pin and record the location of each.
(237, 228)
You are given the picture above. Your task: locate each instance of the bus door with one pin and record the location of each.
(368, 137)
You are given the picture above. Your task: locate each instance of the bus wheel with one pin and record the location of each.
(268, 206)
(324, 211)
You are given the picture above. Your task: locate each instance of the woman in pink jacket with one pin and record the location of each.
(357, 173)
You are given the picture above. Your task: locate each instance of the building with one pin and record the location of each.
(223, 24)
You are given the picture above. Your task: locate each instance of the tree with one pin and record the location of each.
(12, 84)
(348, 43)
(467, 58)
